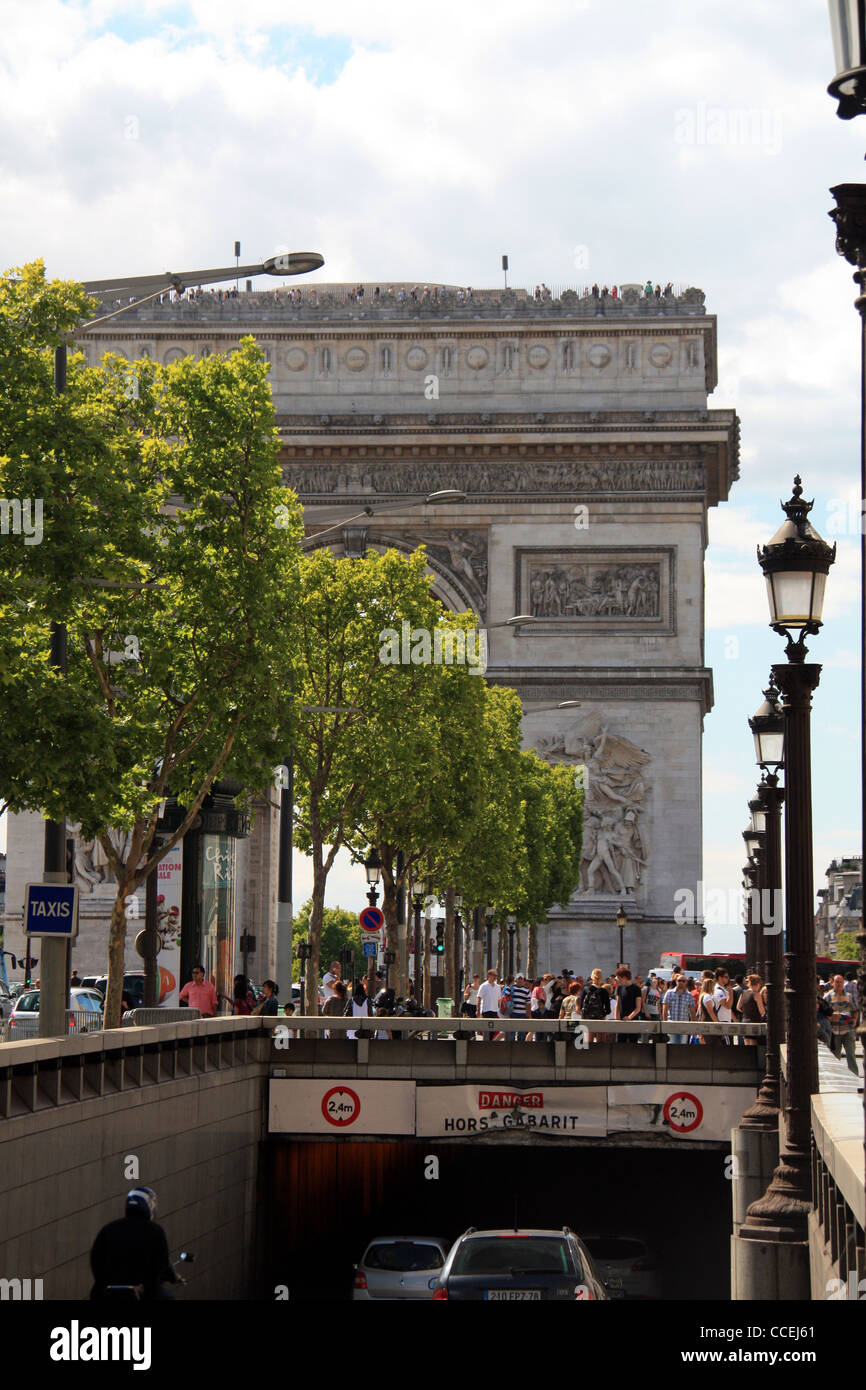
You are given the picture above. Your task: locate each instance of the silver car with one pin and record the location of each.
(399, 1267)
(83, 1016)
(627, 1266)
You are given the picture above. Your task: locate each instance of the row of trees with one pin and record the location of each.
(202, 643)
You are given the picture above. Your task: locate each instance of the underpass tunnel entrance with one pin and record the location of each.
(325, 1200)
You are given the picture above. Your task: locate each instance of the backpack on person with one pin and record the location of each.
(596, 1003)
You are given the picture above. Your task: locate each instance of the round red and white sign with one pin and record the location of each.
(683, 1112)
(341, 1106)
(372, 919)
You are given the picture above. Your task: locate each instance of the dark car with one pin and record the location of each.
(133, 987)
(518, 1267)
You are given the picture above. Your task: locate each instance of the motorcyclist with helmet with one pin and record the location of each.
(132, 1253)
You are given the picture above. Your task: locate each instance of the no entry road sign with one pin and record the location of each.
(372, 919)
(51, 909)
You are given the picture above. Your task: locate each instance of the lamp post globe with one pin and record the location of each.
(848, 28)
(796, 562)
(768, 730)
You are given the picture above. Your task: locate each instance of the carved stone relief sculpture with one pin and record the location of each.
(614, 853)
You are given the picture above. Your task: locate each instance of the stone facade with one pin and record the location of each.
(579, 431)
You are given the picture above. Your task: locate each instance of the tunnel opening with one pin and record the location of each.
(325, 1200)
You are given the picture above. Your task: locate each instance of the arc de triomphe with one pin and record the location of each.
(579, 431)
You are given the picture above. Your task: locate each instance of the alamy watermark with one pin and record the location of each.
(418, 646)
(730, 126)
(22, 516)
(720, 907)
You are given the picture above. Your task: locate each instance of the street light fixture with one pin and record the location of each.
(768, 729)
(433, 499)
(621, 921)
(373, 870)
(795, 565)
(848, 24)
(848, 27)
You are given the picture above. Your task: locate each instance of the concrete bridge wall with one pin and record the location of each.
(189, 1109)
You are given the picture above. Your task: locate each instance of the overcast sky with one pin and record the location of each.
(611, 140)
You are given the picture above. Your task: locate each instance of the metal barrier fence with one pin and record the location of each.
(27, 1026)
(652, 1031)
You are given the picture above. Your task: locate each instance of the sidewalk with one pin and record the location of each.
(833, 1074)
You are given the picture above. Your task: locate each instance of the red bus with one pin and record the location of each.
(736, 964)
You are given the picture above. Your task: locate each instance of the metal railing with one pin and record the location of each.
(468, 1028)
(25, 1026)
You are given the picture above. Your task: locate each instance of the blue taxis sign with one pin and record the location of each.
(51, 909)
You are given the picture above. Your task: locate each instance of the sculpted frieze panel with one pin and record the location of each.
(602, 589)
(568, 476)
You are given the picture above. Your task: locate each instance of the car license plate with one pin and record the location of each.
(512, 1295)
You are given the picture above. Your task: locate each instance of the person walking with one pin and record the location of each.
(678, 1006)
(843, 1021)
(488, 1000)
(200, 994)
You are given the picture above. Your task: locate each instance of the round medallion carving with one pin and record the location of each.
(296, 359)
(538, 355)
(416, 358)
(477, 357)
(598, 356)
(660, 355)
(356, 359)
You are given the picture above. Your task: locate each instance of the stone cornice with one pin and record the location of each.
(547, 683)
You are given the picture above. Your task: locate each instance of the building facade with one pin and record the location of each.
(841, 904)
(578, 430)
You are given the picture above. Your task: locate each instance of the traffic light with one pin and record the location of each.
(440, 938)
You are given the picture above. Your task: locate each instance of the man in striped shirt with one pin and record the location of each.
(520, 997)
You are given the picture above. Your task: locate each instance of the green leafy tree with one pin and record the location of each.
(170, 553)
(362, 721)
(846, 946)
(429, 791)
(340, 931)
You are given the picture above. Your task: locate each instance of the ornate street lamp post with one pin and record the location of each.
(512, 927)
(372, 868)
(621, 921)
(848, 25)
(768, 727)
(419, 893)
(795, 564)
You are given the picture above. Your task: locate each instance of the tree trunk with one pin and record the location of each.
(311, 989)
(116, 947)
